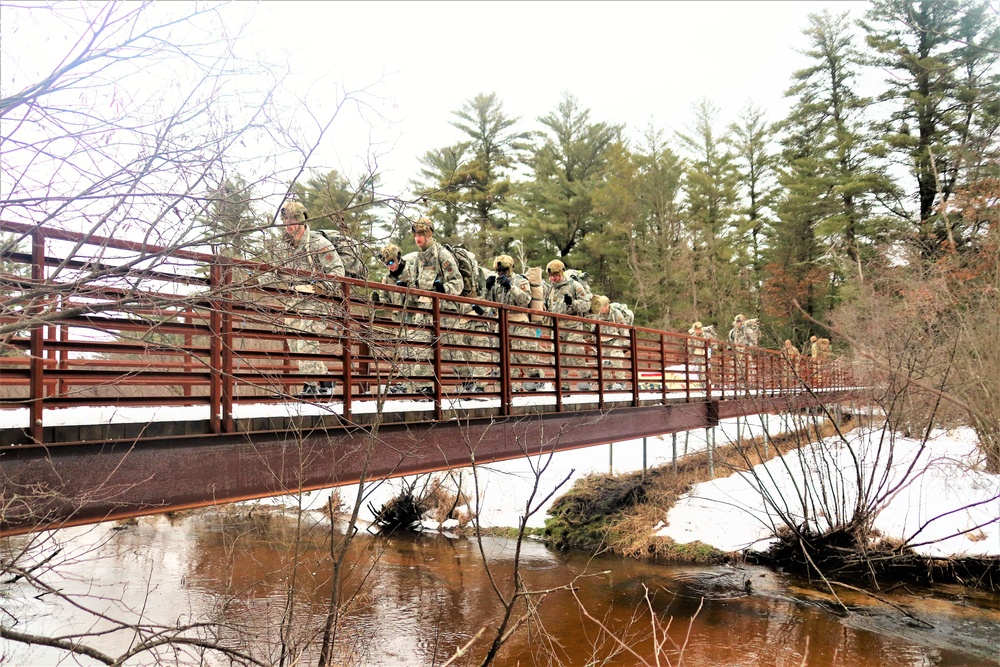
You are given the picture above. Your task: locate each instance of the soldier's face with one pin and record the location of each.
(294, 231)
(555, 278)
(422, 239)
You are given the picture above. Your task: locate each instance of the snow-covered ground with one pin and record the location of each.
(936, 498)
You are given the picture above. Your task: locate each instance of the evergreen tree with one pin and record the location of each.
(941, 56)
(645, 251)
(555, 208)
(230, 221)
(711, 183)
(755, 164)
(468, 184)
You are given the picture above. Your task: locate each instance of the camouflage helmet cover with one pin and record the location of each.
(739, 318)
(422, 226)
(597, 303)
(555, 266)
(503, 262)
(695, 327)
(294, 210)
(391, 252)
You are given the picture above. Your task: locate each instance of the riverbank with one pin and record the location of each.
(926, 511)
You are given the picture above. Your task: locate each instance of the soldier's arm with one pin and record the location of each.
(329, 260)
(451, 276)
(581, 299)
(520, 292)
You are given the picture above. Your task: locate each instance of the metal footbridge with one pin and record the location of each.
(137, 378)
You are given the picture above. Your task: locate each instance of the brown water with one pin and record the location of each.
(416, 599)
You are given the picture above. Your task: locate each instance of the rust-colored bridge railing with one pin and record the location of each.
(136, 379)
(130, 325)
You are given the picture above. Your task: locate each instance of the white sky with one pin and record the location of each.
(628, 62)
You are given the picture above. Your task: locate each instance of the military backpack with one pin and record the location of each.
(473, 282)
(349, 251)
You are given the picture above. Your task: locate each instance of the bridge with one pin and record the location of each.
(137, 378)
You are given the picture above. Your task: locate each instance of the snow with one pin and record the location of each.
(936, 498)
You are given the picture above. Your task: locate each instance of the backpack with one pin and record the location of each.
(626, 312)
(581, 277)
(473, 282)
(349, 251)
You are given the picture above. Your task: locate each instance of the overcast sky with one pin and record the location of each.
(634, 63)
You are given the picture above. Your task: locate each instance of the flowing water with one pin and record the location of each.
(415, 599)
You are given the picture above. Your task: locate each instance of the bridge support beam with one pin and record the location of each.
(72, 484)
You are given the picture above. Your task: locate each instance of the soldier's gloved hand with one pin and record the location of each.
(439, 286)
(402, 283)
(504, 282)
(490, 282)
(567, 299)
(477, 309)
(376, 298)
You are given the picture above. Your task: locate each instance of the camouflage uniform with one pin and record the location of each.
(555, 302)
(436, 264)
(614, 341)
(744, 334)
(514, 289)
(405, 359)
(313, 254)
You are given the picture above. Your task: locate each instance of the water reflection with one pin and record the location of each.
(413, 600)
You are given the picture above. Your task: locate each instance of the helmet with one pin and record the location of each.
(555, 266)
(422, 226)
(391, 251)
(694, 327)
(503, 262)
(597, 303)
(739, 318)
(294, 210)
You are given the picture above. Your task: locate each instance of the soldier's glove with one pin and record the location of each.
(567, 299)
(439, 286)
(376, 298)
(504, 282)
(490, 282)
(477, 309)
(402, 283)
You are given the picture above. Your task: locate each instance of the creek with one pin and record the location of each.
(416, 598)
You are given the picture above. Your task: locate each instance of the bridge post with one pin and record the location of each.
(436, 342)
(558, 362)
(506, 394)
(36, 389)
(346, 343)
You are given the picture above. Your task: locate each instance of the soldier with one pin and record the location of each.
(789, 351)
(744, 331)
(567, 296)
(437, 271)
(407, 359)
(309, 252)
(401, 271)
(512, 288)
(700, 352)
(613, 340)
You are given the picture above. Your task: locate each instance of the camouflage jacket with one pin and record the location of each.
(578, 292)
(746, 335)
(405, 277)
(436, 263)
(312, 254)
(519, 293)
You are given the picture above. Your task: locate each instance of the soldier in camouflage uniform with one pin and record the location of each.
(613, 340)
(309, 252)
(744, 334)
(567, 296)
(512, 288)
(437, 271)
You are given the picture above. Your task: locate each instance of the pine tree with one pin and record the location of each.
(555, 206)
(711, 183)
(941, 56)
(468, 184)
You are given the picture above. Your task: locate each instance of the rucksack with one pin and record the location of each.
(625, 311)
(473, 282)
(349, 251)
(579, 276)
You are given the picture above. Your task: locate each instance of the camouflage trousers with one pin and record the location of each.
(468, 363)
(574, 365)
(301, 330)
